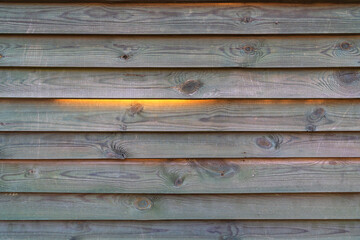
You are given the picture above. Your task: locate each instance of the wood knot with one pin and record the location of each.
(125, 57)
(332, 162)
(218, 168)
(268, 142)
(263, 142)
(310, 128)
(317, 115)
(248, 49)
(190, 87)
(143, 203)
(117, 152)
(135, 109)
(31, 173)
(246, 19)
(347, 77)
(178, 182)
(345, 46)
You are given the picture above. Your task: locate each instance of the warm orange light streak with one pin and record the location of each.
(184, 102)
(128, 102)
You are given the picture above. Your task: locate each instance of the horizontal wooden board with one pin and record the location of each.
(195, 230)
(182, 176)
(185, 83)
(180, 51)
(26, 206)
(177, 145)
(226, 18)
(179, 115)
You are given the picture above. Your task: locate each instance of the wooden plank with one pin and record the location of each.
(226, 18)
(21, 206)
(180, 51)
(182, 176)
(195, 230)
(186, 83)
(177, 145)
(179, 115)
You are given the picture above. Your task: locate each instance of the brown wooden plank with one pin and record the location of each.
(21, 206)
(182, 176)
(179, 115)
(180, 51)
(196, 230)
(227, 18)
(186, 83)
(177, 145)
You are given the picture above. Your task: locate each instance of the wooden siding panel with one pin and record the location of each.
(21, 206)
(195, 230)
(177, 145)
(182, 1)
(178, 115)
(235, 18)
(180, 51)
(184, 83)
(182, 176)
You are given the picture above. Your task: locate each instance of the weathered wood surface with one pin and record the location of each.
(179, 115)
(180, 51)
(186, 83)
(234, 18)
(195, 230)
(177, 145)
(182, 176)
(26, 206)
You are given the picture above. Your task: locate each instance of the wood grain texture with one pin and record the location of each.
(235, 18)
(180, 51)
(179, 115)
(182, 176)
(177, 145)
(195, 230)
(185, 83)
(21, 206)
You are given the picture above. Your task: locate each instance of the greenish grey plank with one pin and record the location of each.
(182, 176)
(180, 51)
(195, 230)
(210, 18)
(179, 115)
(177, 145)
(185, 83)
(21, 206)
